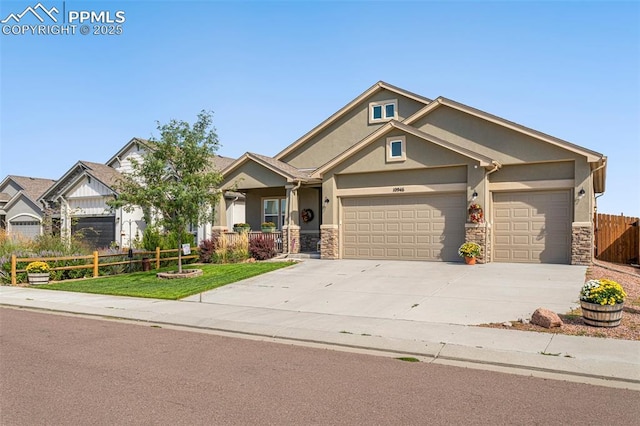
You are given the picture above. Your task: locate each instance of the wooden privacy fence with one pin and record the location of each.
(617, 238)
(94, 260)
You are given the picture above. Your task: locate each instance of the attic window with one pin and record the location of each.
(383, 111)
(396, 149)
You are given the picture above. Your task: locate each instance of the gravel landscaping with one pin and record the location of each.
(629, 328)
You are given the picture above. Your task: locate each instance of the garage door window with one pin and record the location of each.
(396, 150)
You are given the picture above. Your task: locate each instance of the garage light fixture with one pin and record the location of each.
(326, 201)
(474, 196)
(581, 193)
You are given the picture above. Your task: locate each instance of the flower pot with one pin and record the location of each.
(38, 278)
(241, 229)
(268, 229)
(601, 315)
(470, 260)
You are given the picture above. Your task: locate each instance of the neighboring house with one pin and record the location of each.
(20, 213)
(392, 174)
(78, 200)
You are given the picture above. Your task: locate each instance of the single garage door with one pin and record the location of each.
(28, 229)
(410, 227)
(96, 232)
(532, 227)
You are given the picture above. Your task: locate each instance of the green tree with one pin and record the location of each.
(176, 178)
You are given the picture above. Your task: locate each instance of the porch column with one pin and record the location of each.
(219, 217)
(291, 229)
(65, 222)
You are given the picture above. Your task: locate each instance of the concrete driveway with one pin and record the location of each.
(450, 293)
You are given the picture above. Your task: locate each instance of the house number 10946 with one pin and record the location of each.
(398, 189)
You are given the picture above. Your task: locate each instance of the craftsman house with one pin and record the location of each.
(78, 201)
(395, 175)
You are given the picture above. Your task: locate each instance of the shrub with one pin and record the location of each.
(208, 250)
(239, 249)
(151, 238)
(262, 248)
(602, 292)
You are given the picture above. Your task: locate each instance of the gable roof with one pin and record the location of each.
(103, 173)
(32, 187)
(220, 163)
(483, 160)
(592, 156)
(380, 85)
(283, 169)
(125, 148)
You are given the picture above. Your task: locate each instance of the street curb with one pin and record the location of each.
(390, 351)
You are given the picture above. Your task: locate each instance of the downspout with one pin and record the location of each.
(294, 189)
(595, 204)
(496, 167)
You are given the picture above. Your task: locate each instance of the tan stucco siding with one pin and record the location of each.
(584, 207)
(536, 171)
(492, 140)
(250, 176)
(420, 154)
(346, 131)
(403, 177)
(309, 198)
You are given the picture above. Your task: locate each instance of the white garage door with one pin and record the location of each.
(532, 227)
(28, 229)
(424, 227)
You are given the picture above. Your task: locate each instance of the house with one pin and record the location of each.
(78, 201)
(20, 213)
(392, 175)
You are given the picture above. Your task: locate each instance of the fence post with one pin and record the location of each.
(13, 270)
(95, 264)
(157, 257)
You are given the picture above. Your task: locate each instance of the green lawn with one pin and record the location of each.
(146, 284)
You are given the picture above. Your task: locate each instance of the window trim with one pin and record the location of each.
(282, 210)
(403, 144)
(383, 105)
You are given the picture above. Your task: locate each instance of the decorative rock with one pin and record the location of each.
(546, 318)
(507, 324)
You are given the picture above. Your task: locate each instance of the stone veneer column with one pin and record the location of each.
(329, 242)
(291, 235)
(479, 233)
(581, 243)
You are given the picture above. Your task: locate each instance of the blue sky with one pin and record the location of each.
(271, 71)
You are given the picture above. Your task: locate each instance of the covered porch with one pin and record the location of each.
(278, 193)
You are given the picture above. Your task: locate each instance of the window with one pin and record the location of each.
(383, 111)
(274, 210)
(396, 148)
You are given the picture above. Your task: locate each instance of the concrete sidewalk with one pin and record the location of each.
(606, 362)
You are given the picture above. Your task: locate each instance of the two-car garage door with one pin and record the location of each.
(408, 227)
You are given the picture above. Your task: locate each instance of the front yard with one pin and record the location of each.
(146, 284)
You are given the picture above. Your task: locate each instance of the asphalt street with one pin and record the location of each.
(61, 369)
